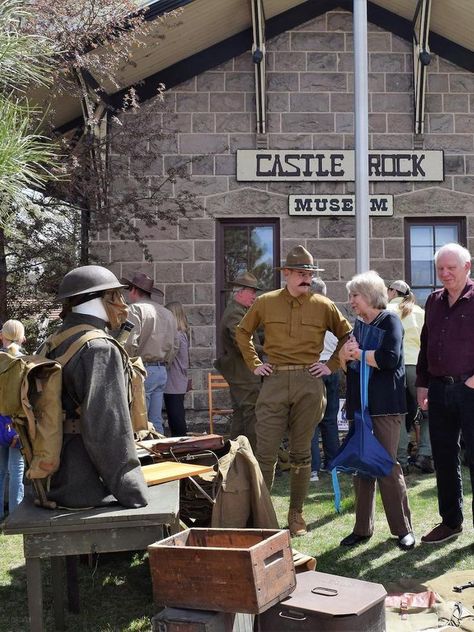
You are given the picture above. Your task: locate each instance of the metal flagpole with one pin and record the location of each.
(361, 124)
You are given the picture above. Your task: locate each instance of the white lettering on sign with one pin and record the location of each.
(315, 205)
(294, 165)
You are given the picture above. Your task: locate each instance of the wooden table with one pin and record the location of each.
(56, 534)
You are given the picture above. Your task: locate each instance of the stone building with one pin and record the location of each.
(211, 112)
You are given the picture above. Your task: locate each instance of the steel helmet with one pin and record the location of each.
(87, 279)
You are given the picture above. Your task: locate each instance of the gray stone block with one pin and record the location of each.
(316, 24)
(234, 122)
(345, 62)
(450, 142)
(203, 123)
(188, 102)
(330, 227)
(210, 82)
(400, 45)
(244, 62)
(125, 251)
(347, 269)
(331, 270)
(289, 61)
(393, 188)
(183, 293)
(456, 102)
(202, 165)
(240, 82)
(296, 227)
(437, 82)
(392, 103)
(200, 315)
(434, 103)
(278, 102)
(279, 43)
(174, 123)
(469, 163)
(227, 102)
(164, 229)
(464, 123)
(322, 82)
(307, 41)
(391, 141)
(332, 248)
(344, 122)
(455, 165)
(202, 185)
(387, 268)
(187, 86)
(377, 123)
(342, 102)
(394, 248)
(439, 202)
(399, 123)
(203, 143)
(465, 184)
(380, 42)
(376, 248)
(328, 141)
(203, 293)
(387, 226)
(290, 141)
(308, 122)
(225, 164)
(339, 21)
(171, 250)
(309, 102)
(387, 62)
(196, 228)
(241, 141)
(247, 199)
(198, 272)
(322, 61)
(169, 272)
(398, 82)
(204, 251)
(204, 336)
(440, 123)
(282, 81)
(461, 82)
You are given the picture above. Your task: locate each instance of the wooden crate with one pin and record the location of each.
(181, 620)
(228, 570)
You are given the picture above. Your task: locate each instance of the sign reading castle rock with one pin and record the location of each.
(313, 166)
(330, 205)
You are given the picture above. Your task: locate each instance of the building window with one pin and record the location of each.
(423, 237)
(246, 244)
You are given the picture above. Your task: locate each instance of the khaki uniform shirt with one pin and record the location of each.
(294, 329)
(231, 363)
(155, 334)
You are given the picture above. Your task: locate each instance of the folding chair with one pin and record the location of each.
(215, 382)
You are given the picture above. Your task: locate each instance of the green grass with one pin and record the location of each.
(116, 592)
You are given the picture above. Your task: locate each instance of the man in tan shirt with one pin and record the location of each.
(154, 338)
(292, 397)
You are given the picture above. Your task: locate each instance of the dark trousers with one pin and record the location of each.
(451, 412)
(174, 405)
(328, 425)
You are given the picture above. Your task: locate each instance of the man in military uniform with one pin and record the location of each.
(154, 338)
(244, 385)
(292, 397)
(99, 463)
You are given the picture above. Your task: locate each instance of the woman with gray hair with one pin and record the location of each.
(386, 402)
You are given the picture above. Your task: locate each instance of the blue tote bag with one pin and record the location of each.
(360, 453)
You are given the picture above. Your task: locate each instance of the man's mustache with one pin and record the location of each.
(304, 284)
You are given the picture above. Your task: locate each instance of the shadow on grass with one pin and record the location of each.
(115, 595)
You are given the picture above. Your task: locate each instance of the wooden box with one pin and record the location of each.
(228, 570)
(181, 620)
(327, 602)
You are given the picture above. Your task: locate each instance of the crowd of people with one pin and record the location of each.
(281, 353)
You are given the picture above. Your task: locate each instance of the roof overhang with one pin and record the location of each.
(210, 32)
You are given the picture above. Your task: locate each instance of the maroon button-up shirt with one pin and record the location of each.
(447, 337)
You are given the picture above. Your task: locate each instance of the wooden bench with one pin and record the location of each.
(57, 534)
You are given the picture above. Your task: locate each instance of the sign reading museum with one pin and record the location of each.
(317, 205)
(305, 165)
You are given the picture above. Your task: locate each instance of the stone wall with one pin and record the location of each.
(310, 105)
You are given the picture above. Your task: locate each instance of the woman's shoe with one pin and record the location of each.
(353, 539)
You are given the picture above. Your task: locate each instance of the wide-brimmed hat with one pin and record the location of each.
(300, 259)
(143, 282)
(246, 279)
(400, 286)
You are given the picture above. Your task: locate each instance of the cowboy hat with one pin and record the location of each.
(300, 259)
(143, 282)
(246, 279)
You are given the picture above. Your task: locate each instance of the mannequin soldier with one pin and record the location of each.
(99, 463)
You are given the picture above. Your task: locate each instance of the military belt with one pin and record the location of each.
(290, 367)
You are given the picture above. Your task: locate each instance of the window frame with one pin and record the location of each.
(220, 281)
(432, 222)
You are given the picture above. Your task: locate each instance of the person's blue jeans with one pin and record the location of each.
(11, 461)
(328, 425)
(155, 383)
